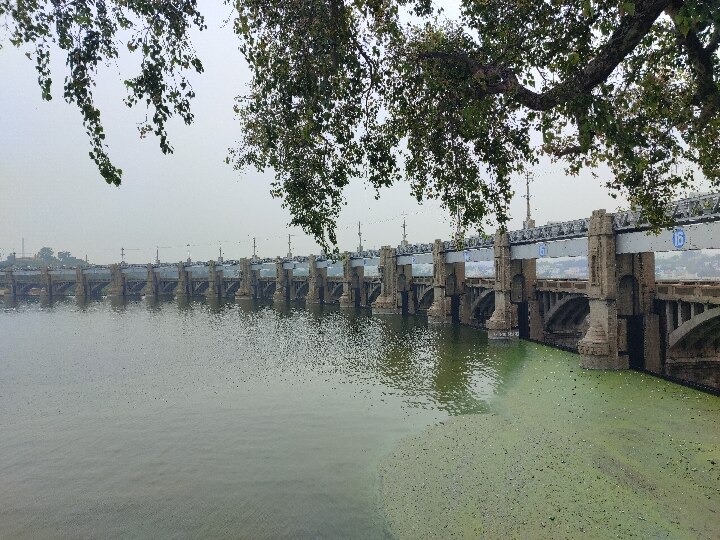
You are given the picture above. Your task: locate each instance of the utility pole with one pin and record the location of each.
(157, 253)
(528, 177)
(360, 247)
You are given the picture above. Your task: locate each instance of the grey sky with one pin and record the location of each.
(51, 193)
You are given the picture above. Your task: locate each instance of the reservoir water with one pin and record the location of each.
(201, 420)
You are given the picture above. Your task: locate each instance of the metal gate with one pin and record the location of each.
(455, 308)
(523, 320)
(635, 326)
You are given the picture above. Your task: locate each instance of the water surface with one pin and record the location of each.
(202, 420)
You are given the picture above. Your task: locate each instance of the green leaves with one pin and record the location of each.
(385, 90)
(88, 33)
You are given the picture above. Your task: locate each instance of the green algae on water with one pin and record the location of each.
(564, 453)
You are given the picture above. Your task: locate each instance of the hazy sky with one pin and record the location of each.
(52, 195)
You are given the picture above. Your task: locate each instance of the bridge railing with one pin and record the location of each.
(568, 285)
(688, 291)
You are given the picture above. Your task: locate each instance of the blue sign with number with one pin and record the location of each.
(542, 250)
(678, 238)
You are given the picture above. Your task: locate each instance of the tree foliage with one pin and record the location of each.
(46, 254)
(391, 89)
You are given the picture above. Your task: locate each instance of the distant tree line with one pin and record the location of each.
(44, 257)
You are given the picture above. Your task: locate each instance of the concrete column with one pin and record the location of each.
(246, 279)
(46, 279)
(81, 287)
(317, 282)
(359, 292)
(387, 301)
(347, 298)
(640, 300)
(117, 282)
(152, 287)
(599, 347)
(214, 289)
(183, 286)
(503, 322)
(290, 291)
(281, 291)
(440, 308)
(529, 269)
(10, 284)
(405, 287)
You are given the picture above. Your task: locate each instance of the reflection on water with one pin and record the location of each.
(166, 418)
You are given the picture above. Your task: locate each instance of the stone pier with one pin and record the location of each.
(317, 282)
(81, 287)
(215, 281)
(282, 282)
(503, 324)
(151, 289)
(348, 297)
(246, 280)
(117, 282)
(387, 302)
(182, 290)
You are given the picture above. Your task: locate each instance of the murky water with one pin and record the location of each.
(212, 421)
(236, 421)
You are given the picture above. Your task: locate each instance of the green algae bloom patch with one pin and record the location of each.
(563, 453)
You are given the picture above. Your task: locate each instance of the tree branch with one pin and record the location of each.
(708, 95)
(497, 79)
